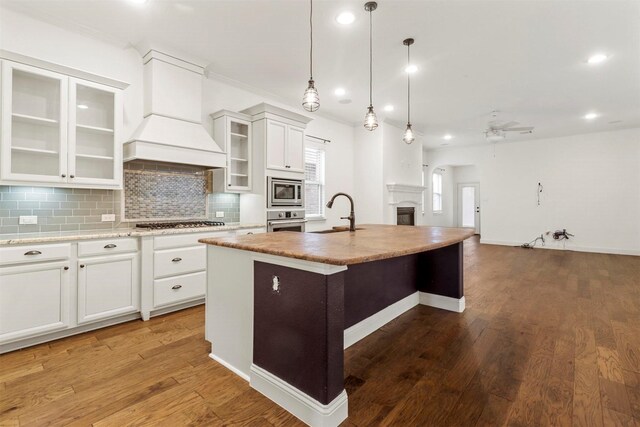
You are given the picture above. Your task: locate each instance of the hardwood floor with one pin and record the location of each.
(548, 338)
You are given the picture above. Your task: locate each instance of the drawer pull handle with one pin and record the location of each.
(251, 232)
(110, 246)
(33, 253)
(176, 287)
(177, 259)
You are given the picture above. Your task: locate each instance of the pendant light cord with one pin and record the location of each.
(311, 38)
(370, 59)
(408, 85)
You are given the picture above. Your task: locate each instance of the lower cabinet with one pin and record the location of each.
(108, 286)
(34, 299)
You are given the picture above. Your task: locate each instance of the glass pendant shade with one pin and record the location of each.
(311, 100)
(408, 137)
(370, 119)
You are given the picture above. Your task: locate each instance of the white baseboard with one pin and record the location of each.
(371, 324)
(613, 251)
(301, 405)
(445, 303)
(230, 367)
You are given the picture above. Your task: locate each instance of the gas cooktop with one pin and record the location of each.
(182, 224)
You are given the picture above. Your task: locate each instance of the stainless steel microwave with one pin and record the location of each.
(283, 192)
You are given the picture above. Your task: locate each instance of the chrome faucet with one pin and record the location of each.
(352, 214)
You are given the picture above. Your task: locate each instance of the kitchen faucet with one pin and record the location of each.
(352, 214)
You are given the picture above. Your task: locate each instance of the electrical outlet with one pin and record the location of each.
(108, 217)
(219, 214)
(28, 219)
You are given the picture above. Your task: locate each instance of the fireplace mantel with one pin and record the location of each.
(405, 193)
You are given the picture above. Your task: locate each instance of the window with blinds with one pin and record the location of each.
(437, 192)
(314, 182)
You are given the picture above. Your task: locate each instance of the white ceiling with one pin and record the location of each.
(524, 58)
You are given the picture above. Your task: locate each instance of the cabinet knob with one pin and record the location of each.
(66, 268)
(110, 246)
(287, 166)
(81, 265)
(33, 253)
(72, 176)
(63, 175)
(251, 232)
(176, 287)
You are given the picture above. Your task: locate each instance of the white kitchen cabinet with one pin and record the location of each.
(34, 300)
(108, 286)
(233, 132)
(59, 130)
(285, 147)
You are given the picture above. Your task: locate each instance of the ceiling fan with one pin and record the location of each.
(497, 131)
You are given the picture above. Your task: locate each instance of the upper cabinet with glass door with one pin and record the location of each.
(233, 131)
(59, 130)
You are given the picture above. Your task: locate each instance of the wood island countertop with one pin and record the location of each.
(370, 242)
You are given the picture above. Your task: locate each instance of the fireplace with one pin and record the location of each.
(406, 216)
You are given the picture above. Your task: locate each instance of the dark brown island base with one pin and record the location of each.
(282, 307)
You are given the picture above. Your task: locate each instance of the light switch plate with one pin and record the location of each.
(219, 214)
(108, 217)
(28, 219)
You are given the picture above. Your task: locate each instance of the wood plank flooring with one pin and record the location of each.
(549, 338)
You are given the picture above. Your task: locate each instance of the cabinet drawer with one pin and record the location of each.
(251, 231)
(171, 262)
(34, 253)
(189, 239)
(178, 289)
(108, 246)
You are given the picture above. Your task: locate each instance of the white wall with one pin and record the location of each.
(591, 188)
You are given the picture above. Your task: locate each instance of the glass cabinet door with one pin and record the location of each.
(93, 133)
(34, 130)
(239, 152)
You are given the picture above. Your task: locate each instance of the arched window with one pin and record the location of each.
(437, 192)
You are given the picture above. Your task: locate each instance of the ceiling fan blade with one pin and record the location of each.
(520, 129)
(508, 125)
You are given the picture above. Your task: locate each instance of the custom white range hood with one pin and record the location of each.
(172, 128)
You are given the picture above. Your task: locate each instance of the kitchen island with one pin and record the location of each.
(281, 307)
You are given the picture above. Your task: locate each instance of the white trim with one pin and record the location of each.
(371, 324)
(442, 302)
(314, 267)
(614, 251)
(230, 367)
(63, 69)
(298, 403)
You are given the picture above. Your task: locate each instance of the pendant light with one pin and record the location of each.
(311, 100)
(408, 137)
(370, 119)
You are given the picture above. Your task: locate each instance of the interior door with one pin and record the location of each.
(469, 206)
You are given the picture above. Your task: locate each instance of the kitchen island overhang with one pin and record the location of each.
(281, 307)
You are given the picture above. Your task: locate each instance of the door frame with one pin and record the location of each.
(459, 203)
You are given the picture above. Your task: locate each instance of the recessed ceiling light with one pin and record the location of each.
(411, 68)
(83, 106)
(340, 91)
(345, 18)
(590, 116)
(597, 59)
(389, 107)
(448, 137)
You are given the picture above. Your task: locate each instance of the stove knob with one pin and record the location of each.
(281, 215)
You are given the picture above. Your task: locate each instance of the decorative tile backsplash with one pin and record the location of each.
(152, 190)
(57, 209)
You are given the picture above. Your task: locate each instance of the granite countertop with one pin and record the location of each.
(368, 243)
(49, 237)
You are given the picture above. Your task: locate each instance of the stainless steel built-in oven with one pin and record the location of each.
(286, 221)
(283, 192)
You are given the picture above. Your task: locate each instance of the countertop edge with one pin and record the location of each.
(336, 261)
(111, 234)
